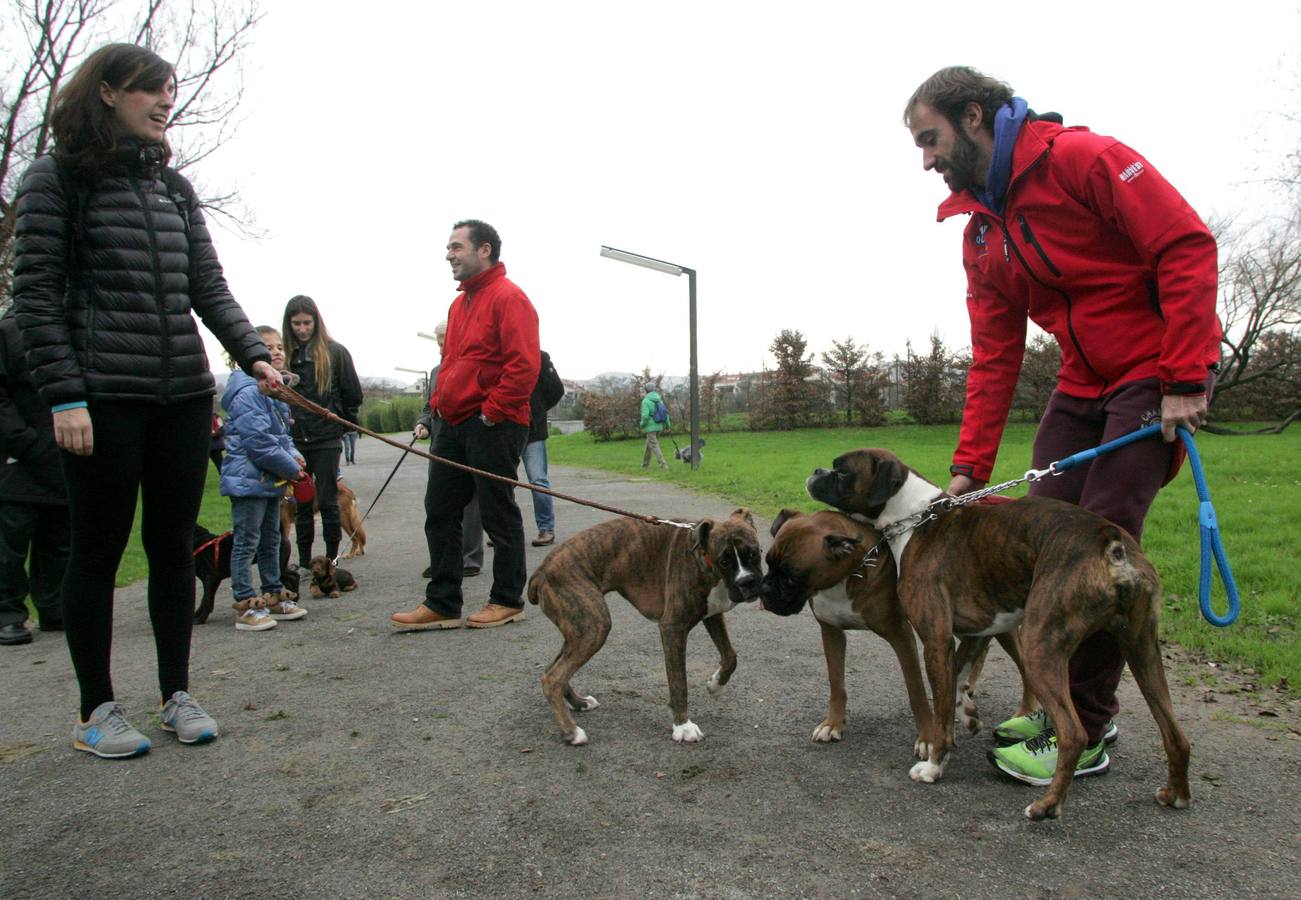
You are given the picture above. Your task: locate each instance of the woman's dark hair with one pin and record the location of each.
(84, 126)
(319, 344)
(482, 233)
(949, 91)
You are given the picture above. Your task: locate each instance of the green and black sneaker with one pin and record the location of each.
(1026, 728)
(1034, 761)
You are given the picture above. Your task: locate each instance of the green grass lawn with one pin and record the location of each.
(1255, 484)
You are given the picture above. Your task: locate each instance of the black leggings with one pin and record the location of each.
(160, 451)
(323, 466)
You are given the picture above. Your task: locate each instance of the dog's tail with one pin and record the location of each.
(1130, 577)
(532, 590)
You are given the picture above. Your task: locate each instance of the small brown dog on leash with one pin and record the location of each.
(349, 518)
(328, 580)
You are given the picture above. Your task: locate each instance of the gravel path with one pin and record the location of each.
(356, 762)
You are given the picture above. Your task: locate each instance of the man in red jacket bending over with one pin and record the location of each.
(1081, 235)
(490, 365)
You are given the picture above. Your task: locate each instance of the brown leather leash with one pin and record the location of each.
(293, 398)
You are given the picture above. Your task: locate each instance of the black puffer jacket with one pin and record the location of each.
(116, 324)
(343, 397)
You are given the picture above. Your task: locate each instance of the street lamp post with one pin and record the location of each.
(659, 265)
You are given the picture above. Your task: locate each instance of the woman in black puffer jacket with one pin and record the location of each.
(328, 378)
(111, 257)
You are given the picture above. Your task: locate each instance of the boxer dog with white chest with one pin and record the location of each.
(1059, 571)
(824, 560)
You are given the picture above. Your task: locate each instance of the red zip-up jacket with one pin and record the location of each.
(491, 356)
(1100, 251)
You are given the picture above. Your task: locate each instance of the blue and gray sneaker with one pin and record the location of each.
(187, 720)
(108, 734)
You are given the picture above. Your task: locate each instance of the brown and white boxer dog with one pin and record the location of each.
(818, 559)
(674, 576)
(1059, 571)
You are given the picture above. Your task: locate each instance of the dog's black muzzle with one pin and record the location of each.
(818, 485)
(746, 589)
(777, 600)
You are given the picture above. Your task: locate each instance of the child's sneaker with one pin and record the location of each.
(254, 620)
(282, 607)
(108, 734)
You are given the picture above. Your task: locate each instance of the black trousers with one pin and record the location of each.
(495, 449)
(323, 466)
(161, 453)
(41, 528)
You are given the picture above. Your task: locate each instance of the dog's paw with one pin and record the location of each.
(926, 772)
(826, 732)
(578, 738)
(1167, 796)
(687, 733)
(584, 704)
(715, 682)
(334, 595)
(922, 749)
(970, 722)
(1042, 809)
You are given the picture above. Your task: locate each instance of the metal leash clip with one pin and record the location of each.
(1034, 475)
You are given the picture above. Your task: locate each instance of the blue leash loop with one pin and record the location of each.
(1211, 543)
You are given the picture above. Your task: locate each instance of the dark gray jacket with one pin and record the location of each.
(106, 274)
(546, 394)
(29, 457)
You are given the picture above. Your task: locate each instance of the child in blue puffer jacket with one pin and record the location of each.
(260, 457)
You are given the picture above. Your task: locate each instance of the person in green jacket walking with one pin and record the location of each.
(654, 419)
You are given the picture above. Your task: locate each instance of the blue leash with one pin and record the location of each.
(1211, 543)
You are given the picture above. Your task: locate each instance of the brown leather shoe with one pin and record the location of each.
(422, 618)
(544, 539)
(495, 614)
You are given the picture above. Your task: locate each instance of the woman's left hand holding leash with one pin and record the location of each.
(268, 379)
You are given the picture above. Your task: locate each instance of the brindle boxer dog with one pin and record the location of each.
(819, 559)
(675, 576)
(1059, 571)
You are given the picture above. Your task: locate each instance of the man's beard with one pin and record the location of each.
(961, 167)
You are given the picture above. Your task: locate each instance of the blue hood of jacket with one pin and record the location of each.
(1007, 126)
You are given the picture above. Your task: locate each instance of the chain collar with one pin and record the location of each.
(940, 505)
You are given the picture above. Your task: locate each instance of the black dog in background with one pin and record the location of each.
(212, 567)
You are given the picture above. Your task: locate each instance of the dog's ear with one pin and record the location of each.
(700, 534)
(838, 546)
(743, 513)
(782, 518)
(886, 480)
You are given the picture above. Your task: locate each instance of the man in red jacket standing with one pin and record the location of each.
(489, 367)
(1081, 235)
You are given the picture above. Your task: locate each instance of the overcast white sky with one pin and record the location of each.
(757, 142)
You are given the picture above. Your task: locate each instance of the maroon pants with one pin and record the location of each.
(1119, 485)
